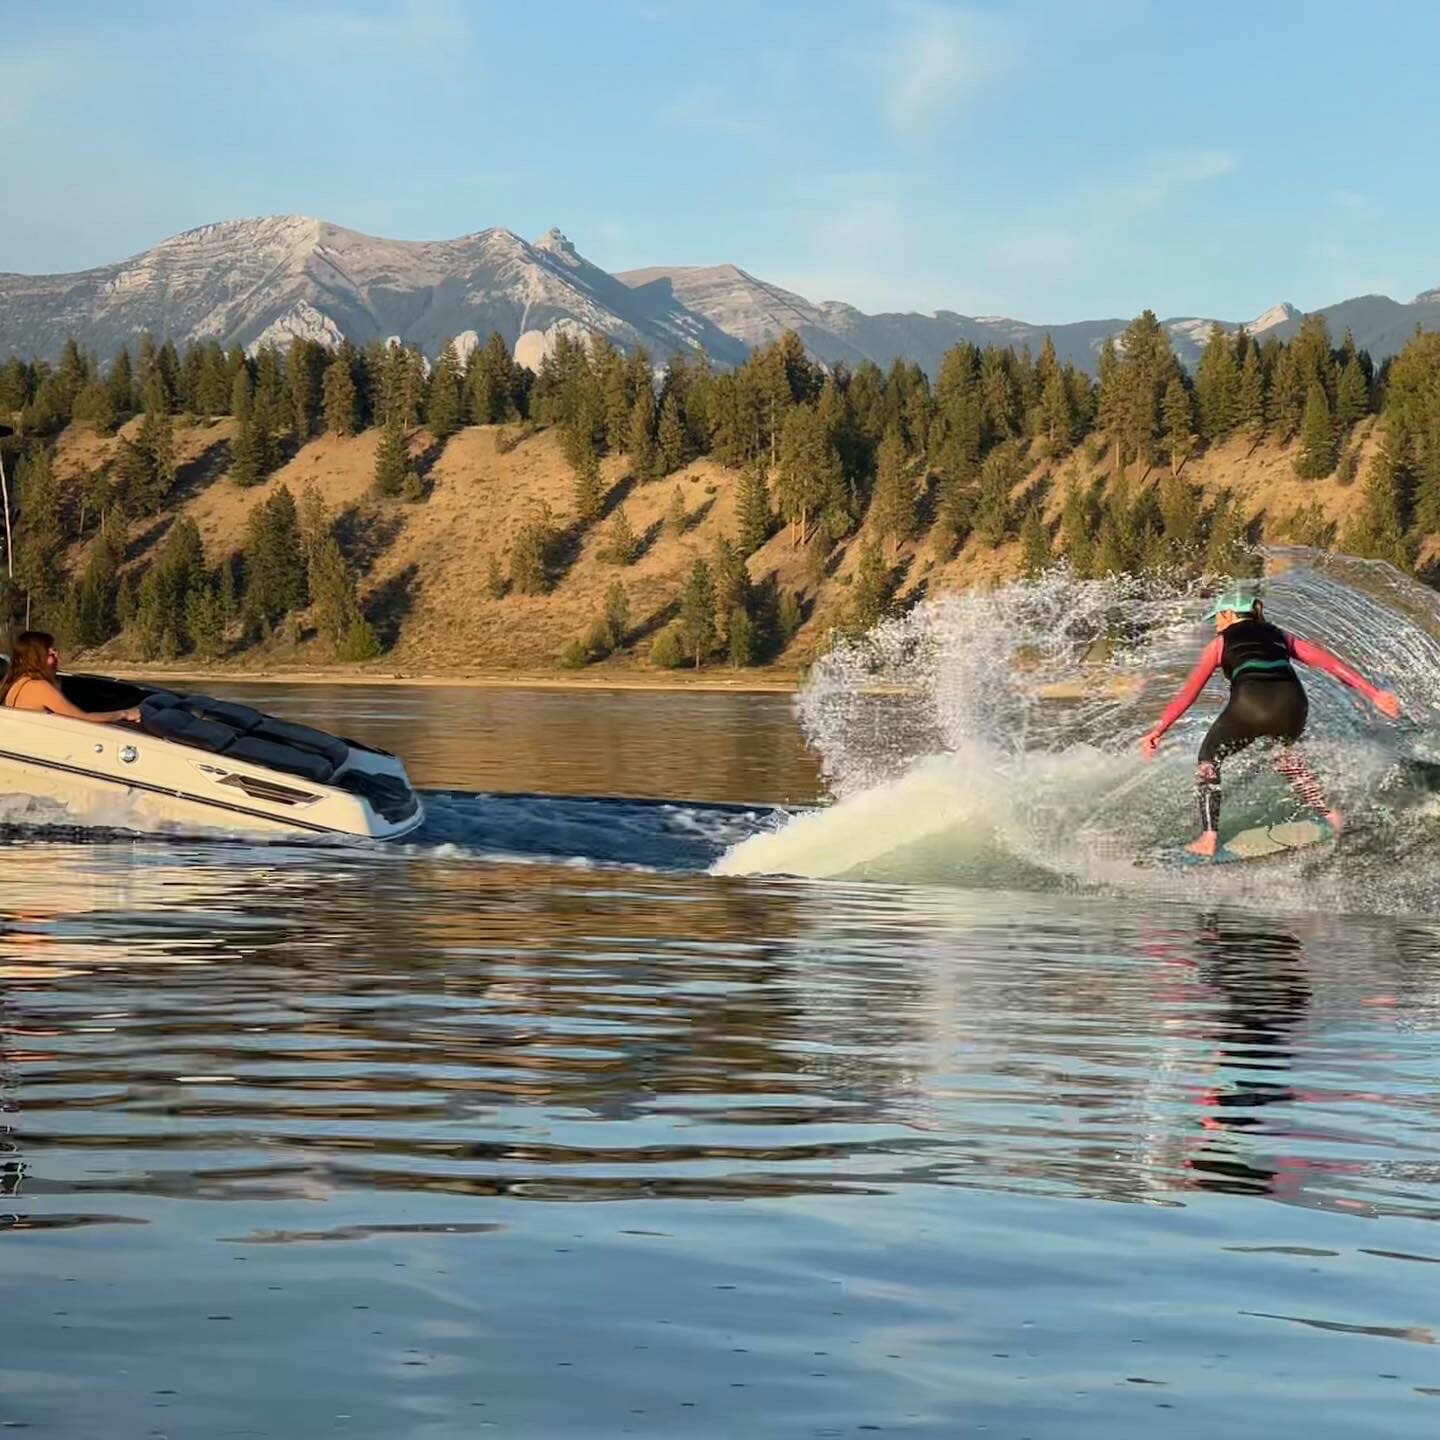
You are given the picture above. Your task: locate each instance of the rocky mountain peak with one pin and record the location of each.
(555, 242)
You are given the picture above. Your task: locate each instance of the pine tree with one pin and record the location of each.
(247, 454)
(1287, 395)
(212, 388)
(1179, 515)
(163, 601)
(621, 545)
(146, 362)
(15, 385)
(338, 616)
(589, 499)
(731, 580)
(96, 404)
(871, 592)
(1140, 381)
(1317, 437)
(1427, 488)
(1036, 553)
(1076, 530)
(157, 440)
(1352, 394)
(1378, 528)
(94, 619)
(677, 517)
(1112, 555)
(1253, 400)
(1217, 387)
(492, 384)
(998, 477)
(810, 472)
(304, 369)
(39, 536)
(640, 435)
(892, 506)
(339, 397)
(1313, 357)
(672, 441)
(530, 556)
(242, 394)
(1057, 411)
(1179, 422)
(445, 402)
(954, 511)
(616, 401)
(755, 520)
(1117, 547)
(616, 618)
(275, 569)
(393, 472)
(697, 613)
(205, 621)
(1225, 550)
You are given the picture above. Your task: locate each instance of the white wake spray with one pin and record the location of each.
(990, 738)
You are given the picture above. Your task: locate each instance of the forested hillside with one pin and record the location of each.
(340, 506)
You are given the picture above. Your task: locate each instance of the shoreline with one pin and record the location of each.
(478, 680)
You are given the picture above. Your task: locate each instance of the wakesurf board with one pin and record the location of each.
(1262, 842)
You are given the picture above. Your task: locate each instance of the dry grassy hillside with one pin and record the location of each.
(424, 565)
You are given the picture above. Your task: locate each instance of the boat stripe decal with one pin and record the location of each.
(173, 794)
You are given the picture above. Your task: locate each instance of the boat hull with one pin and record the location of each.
(117, 777)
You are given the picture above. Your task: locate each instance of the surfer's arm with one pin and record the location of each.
(1319, 658)
(1205, 667)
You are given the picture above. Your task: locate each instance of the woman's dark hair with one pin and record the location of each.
(29, 657)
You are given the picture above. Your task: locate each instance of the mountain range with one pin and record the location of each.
(250, 282)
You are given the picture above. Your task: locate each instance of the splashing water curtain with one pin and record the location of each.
(989, 738)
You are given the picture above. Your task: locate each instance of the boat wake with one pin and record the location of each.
(585, 830)
(991, 739)
(582, 831)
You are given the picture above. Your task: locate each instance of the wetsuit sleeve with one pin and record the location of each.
(1204, 668)
(1320, 659)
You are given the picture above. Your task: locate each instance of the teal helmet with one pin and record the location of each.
(1236, 599)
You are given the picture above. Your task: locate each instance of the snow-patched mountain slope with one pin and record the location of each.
(249, 281)
(757, 312)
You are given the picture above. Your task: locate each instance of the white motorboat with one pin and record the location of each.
(197, 764)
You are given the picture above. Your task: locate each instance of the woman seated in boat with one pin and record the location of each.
(29, 682)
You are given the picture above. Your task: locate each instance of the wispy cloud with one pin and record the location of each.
(708, 108)
(940, 58)
(401, 24)
(872, 237)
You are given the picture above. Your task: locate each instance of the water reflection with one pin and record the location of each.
(1259, 974)
(695, 746)
(747, 1157)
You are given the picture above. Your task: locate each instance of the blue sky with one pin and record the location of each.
(1051, 161)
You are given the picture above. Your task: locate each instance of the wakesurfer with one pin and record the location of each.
(1267, 702)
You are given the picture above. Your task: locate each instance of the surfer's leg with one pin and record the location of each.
(1223, 738)
(1207, 800)
(1309, 789)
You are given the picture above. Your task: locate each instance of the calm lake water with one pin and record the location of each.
(534, 1127)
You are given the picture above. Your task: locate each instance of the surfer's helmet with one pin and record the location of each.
(1234, 600)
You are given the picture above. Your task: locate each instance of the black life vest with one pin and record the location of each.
(1257, 650)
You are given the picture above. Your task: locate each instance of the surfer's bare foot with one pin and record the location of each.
(1205, 845)
(1335, 820)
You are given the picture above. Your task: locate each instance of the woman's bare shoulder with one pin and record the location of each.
(34, 693)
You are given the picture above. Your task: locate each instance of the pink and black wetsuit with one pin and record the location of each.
(1267, 702)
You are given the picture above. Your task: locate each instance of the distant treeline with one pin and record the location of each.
(822, 451)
